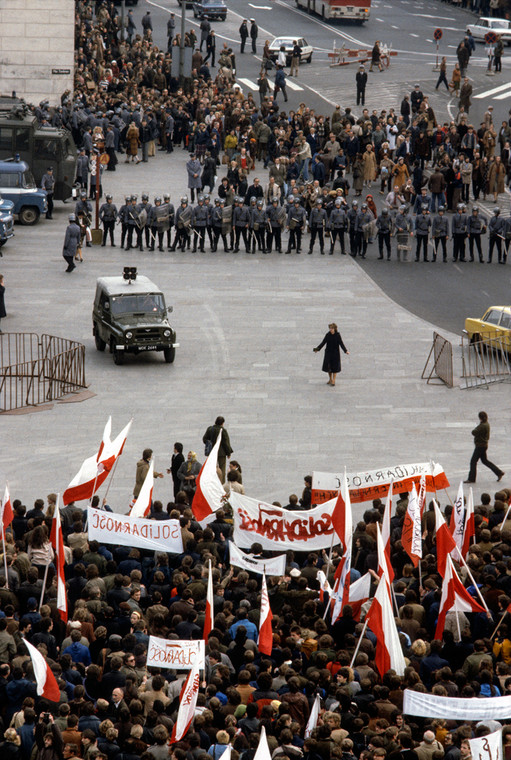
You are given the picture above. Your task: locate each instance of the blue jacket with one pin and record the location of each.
(78, 653)
(251, 629)
(280, 78)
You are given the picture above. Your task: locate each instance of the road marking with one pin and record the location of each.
(457, 267)
(394, 27)
(494, 91)
(292, 85)
(502, 97)
(248, 83)
(428, 15)
(261, 7)
(413, 35)
(485, 293)
(429, 40)
(452, 46)
(380, 19)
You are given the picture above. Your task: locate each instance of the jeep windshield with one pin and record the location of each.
(141, 303)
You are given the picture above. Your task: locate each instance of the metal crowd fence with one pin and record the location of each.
(441, 350)
(485, 360)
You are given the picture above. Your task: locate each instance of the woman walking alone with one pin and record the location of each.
(332, 359)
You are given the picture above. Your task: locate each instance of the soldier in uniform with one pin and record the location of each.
(199, 223)
(274, 228)
(144, 210)
(440, 233)
(183, 225)
(476, 225)
(209, 209)
(364, 217)
(133, 224)
(403, 228)
(317, 225)
(123, 218)
(217, 225)
(240, 222)
(337, 223)
(352, 228)
(495, 228)
(296, 221)
(257, 224)
(48, 184)
(167, 227)
(459, 233)
(108, 215)
(422, 228)
(158, 218)
(83, 213)
(384, 227)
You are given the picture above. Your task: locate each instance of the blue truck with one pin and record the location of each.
(18, 185)
(6, 221)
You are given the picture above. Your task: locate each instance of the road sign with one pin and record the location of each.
(437, 34)
(490, 38)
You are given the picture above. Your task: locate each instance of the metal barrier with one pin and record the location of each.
(442, 361)
(36, 369)
(485, 361)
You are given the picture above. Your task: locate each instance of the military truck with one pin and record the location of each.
(130, 317)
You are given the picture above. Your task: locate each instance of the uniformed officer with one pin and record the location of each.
(209, 209)
(158, 216)
(199, 224)
(422, 228)
(48, 184)
(83, 213)
(133, 224)
(403, 228)
(352, 228)
(317, 226)
(384, 227)
(440, 233)
(476, 226)
(144, 210)
(337, 224)
(123, 218)
(459, 233)
(217, 225)
(240, 222)
(495, 228)
(170, 213)
(364, 217)
(273, 228)
(257, 225)
(183, 225)
(108, 215)
(296, 221)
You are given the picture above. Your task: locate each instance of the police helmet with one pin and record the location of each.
(354, 203)
(83, 194)
(217, 201)
(184, 199)
(157, 199)
(319, 202)
(166, 197)
(253, 200)
(145, 197)
(441, 208)
(475, 209)
(275, 200)
(221, 201)
(133, 197)
(364, 205)
(296, 200)
(260, 204)
(338, 201)
(290, 199)
(460, 206)
(200, 199)
(72, 218)
(108, 197)
(496, 210)
(385, 211)
(127, 198)
(207, 196)
(463, 206)
(402, 208)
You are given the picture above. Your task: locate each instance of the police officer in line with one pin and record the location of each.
(199, 224)
(257, 225)
(296, 222)
(459, 233)
(495, 229)
(440, 233)
(155, 223)
(422, 228)
(384, 227)
(123, 218)
(133, 224)
(317, 225)
(209, 209)
(217, 225)
(144, 210)
(402, 227)
(83, 212)
(352, 228)
(273, 227)
(169, 208)
(108, 216)
(183, 225)
(364, 217)
(337, 225)
(240, 223)
(476, 226)
(48, 184)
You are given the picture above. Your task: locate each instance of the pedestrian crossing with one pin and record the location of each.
(501, 92)
(251, 85)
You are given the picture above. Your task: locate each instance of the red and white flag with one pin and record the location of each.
(359, 594)
(187, 702)
(324, 586)
(343, 524)
(383, 563)
(95, 469)
(142, 504)
(444, 541)
(454, 597)
(385, 531)
(342, 519)
(209, 620)
(47, 685)
(262, 751)
(470, 526)
(457, 522)
(380, 620)
(7, 513)
(58, 544)
(313, 717)
(265, 639)
(411, 537)
(209, 494)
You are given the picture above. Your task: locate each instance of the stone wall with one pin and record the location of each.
(36, 42)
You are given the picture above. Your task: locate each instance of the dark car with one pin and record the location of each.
(210, 9)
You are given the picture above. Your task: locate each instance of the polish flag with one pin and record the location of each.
(58, 544)
(380, 620)
(47, 685)
(209, 494)
(411, 537)
(262, 751)
(142, 504)
(343, 571)
(209, 620)
(444, 541)
(7, 513)
(324, 586)
(94, 470)
(470, 528)
(359, 594)
(383, 563)
(342, 520)
(457, 521)
(454, 597)
(265, 639)
(385, 531)
(187, 702)
(313, 717)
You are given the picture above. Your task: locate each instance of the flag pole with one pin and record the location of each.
(498, 624)
(111, 478)
(359, 642)
(473, 581)
(505, 518)
(44, 585)
(447, 494)
(5, 556)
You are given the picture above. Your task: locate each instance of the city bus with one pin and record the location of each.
(338, 10)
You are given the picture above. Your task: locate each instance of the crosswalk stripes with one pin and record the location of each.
(253, 86)
(248, 83)
(494, 91)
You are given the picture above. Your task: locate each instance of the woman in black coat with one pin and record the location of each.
(332, 359)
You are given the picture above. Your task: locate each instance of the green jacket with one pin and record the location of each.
(481, 434)
(212, 433)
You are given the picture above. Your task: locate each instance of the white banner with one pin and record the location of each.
(487, 747)
(456, 708)
(276, 528)
(270, 566)
(180, 655)
(123, 530)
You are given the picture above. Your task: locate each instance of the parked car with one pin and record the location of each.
(130, 317)
(496, 323)
(6, 221)
(210, 9)
(486, 24)
(289, 43)
(18, 185)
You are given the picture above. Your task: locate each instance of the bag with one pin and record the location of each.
(207, 448)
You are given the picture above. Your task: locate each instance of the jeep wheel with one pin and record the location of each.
(169, 354)
(118, 356)
(100, 344)
(28, 215)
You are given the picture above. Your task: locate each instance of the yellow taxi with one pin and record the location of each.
(494, 328)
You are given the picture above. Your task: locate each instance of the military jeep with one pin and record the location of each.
(130, 317)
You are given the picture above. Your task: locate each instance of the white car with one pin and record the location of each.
(288, 43)
(484, 25)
